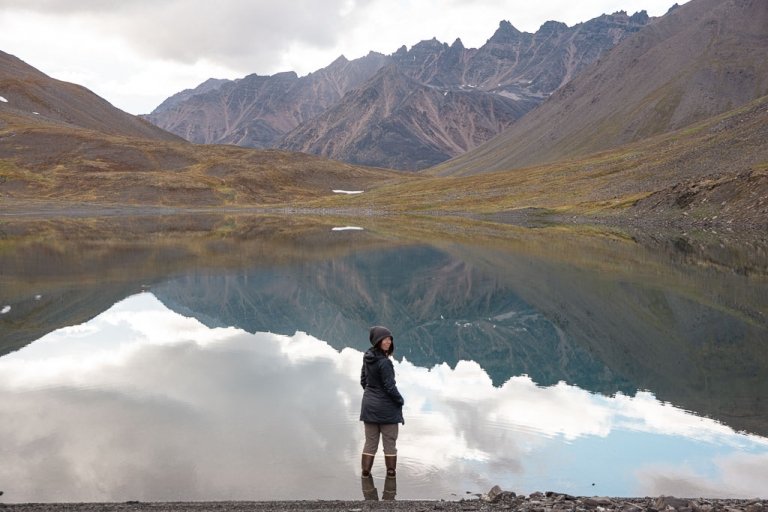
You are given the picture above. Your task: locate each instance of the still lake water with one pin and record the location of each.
(215, 358)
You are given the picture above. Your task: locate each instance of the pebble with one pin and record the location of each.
(558, 502)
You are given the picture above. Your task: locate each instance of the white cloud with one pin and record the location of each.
(736, 476)
(138, 53)
(143, 403)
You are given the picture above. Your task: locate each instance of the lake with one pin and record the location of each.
(198, 357)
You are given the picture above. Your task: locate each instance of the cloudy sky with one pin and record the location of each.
(136, 53)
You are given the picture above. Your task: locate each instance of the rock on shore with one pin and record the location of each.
(557, 502)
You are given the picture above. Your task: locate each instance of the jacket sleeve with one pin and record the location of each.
(363, 376)
(388, 379)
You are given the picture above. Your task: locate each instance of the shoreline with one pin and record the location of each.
(496, 499)
(13, 209)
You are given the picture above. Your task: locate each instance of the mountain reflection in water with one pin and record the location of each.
(143, 403)
(537, 359)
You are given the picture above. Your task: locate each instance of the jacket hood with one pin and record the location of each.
(378, 333)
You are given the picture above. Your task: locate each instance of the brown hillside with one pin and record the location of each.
(715, 168)
(699, 60)
(31, 93)
(60, 142)
(47, 161)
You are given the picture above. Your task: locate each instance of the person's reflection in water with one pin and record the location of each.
(390, 488)
(370, 493)
(382, 406)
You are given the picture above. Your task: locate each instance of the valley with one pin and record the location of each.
(62, 146)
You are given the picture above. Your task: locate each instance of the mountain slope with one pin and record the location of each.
(673, 177)
(483, 91)
(256, 111)
(51, 163)
(31, 93)
(396, 122)
(519, 64)
(78, 148)
(699, 60)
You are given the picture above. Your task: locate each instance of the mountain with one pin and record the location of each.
(32, 94)
(255, 111)
(709, 174)
(699, 60)
(397, 122)
(519, 64)
(209, 85)
(60, 143)
(483, 92)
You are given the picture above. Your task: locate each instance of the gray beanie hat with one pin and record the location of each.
(378, 333)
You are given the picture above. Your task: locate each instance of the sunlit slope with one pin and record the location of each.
(48, 161)
(29, 92)
(61, 142)
(700, 60)
(730, 149)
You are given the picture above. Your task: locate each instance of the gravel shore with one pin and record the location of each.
(496, 499)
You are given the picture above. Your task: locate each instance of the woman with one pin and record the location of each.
(382, 406)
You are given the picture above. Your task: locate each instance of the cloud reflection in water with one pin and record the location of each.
(143, 403)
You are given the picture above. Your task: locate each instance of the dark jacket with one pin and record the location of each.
(382, 402)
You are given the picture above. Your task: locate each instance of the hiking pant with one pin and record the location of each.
(388, 433)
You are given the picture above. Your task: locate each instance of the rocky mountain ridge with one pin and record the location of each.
(398, 122)
(255, 111)
(484, 90)
(700, 60)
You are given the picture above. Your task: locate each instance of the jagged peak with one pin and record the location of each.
(642, 17)
(457, 44)
(428, 43)
(553, 26)
(286, 74)
(505, 32)
(213, 82)
(505, 25)
(402, 51)
(341, 59)
(621, 17)
(281, 75)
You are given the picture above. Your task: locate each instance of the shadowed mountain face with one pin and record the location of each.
(256, 111)
(699, 60)
(446, 99)
(397, 122)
